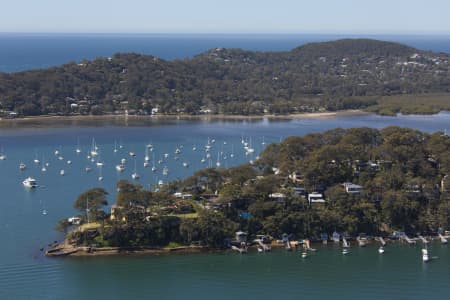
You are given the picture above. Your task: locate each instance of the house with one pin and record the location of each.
(279, 197)
(445, 184)
(241, 237)
(315, 197)
(297, 177)
(114, 209)
(351, 188)
(300, 191)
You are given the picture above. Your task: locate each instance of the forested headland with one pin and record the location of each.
(383, 77)
(345, 180)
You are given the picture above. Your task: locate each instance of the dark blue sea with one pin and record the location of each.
(20, 52)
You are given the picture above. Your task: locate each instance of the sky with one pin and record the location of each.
(226, 16)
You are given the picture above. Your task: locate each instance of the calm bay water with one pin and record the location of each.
(27, 274)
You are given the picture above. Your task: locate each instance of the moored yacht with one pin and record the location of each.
(29, 182)
(425, 255)
(120, 167)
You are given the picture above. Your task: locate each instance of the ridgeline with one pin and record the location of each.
(384, 77)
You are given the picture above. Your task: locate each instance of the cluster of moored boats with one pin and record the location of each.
(263, 243)
(95, 161)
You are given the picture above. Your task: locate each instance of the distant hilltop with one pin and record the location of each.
(341, 74)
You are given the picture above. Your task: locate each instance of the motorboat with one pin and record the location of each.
(29, 182)
(362, 240)
(425, 255)
(381, 250)
(22, 166)
(74, 220)
(336, 237)
(120, 168)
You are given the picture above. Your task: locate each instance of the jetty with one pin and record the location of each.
(307, 245)
(241, 250)
(382, 241)
(264, 247)
(424, 240)
(408, 240)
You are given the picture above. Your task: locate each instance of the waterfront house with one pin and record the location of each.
(241, 237)
(315, 197)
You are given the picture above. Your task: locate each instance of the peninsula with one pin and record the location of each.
(344, 180)
(377, 76)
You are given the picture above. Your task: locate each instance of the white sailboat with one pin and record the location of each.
(249, 148)
(100, 176)
(94, 148)
(218, 164)
(99, 162)
(36, 160)
(135, 175)
(78, 149)
(153, 162)
(146, 157)
(120, 167)
(345, 246)
(425, 254)
(115, 146)
(44, 165)
(2, 155)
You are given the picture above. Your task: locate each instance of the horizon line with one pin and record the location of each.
(408, 33)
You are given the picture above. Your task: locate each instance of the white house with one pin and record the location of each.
(315, 198)
(351, 188)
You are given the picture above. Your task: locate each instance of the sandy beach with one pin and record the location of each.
(88, 120)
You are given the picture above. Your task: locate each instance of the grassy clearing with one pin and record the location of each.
(411, 104)
(91, 225)
(185, 216)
